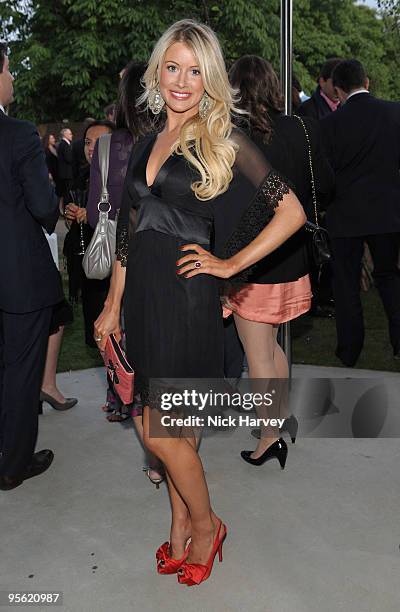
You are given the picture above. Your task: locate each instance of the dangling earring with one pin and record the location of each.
(155, 100)
(205, 105)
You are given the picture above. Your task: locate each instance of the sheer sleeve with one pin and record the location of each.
(261, 190)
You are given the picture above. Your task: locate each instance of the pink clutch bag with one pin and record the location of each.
(119, 370)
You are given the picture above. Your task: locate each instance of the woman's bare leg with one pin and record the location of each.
(280, 359)
(49, 383)
(266, 361)
(186, 474)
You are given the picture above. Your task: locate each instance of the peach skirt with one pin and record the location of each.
(272, 304)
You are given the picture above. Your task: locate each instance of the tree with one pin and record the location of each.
(67, 54)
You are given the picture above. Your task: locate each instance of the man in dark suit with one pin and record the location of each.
(324, 99)
(29, 287)
(363, 144)
(65, 163)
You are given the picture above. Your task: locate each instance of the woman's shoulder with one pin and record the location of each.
(285, 123)
(240, 134)
(248, 151)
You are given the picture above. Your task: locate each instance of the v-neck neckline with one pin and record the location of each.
(162, 171)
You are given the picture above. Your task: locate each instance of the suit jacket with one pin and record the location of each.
(362, 141)
(29, 279)
(315, 107)
(287, 152)
(65, 161)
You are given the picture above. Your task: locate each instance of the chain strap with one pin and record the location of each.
(314, 193)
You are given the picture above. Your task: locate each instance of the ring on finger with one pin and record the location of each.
(197, 264)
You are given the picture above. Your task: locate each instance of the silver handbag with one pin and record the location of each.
(100, 254)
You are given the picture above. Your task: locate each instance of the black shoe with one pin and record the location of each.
(349, 363)
(6, 483)
(69, 402)
(41, 461)
(291, 425)
(278, 449)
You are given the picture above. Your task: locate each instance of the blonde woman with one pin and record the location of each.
(176, 181)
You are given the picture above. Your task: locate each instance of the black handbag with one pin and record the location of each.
(319, 236)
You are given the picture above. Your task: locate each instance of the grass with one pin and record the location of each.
(314, 341)
(75, 354)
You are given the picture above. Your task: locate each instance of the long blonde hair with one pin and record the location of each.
(205, 143)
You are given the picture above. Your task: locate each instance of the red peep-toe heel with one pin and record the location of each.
(195, 573)
(165, 563)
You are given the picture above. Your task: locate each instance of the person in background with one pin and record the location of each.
(279, 288)
(109, 112)
(362, 141)
(324, 99)
(50, 151)
(93, 292)
(65, 162)
(131, 126)
(62, 315)
(80, 166)
(298, 95)
(29, 288)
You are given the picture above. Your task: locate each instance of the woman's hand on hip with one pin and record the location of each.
(203, 262)
(107, 323)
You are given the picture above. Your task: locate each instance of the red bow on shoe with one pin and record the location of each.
(195, 573)
(165, 563)
(192, 573)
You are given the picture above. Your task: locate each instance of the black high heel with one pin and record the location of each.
(69, 402)
(291, 425)
(278, 449)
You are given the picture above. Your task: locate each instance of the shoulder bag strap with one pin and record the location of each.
(104, 159)
(314, 192)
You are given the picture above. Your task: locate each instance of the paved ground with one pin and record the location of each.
(320, 536)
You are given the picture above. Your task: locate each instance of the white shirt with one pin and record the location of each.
(357, 91)
(66, 140)
(2, 108)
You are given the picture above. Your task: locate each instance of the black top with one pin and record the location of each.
(287, 152)
(315, 107)
(173, 324)
(52, 164)
(65, 161)
(29, 279)
(362, 141)
(80, 166)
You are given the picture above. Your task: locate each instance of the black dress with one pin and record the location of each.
(174, 326)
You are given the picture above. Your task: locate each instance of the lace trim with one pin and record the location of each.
(255, 218)
(122, 246)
